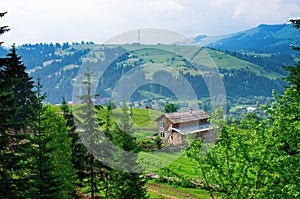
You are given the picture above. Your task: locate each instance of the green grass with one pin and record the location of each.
(194, 54)
(154, 161)
(186, 168)
(177, 162)
(158, 190)
(143, 119)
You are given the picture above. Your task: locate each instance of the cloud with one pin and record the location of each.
(239, 9)
(38, 21)
(163, 5)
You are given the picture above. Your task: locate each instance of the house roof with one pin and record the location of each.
(189, 116)
(193, 129)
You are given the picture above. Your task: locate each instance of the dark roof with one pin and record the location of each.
(182, 117)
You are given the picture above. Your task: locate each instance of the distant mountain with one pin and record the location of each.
(264, 38)
(57, 65)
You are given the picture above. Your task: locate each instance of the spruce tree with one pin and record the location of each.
(79, 152)
(18, 83)
(16, 115)
(90, 131)
(126, 183)
(51, 172)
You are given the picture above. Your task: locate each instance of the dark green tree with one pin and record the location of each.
(79, 152)
(170, 108)
(90, 133)
(17, 100)
(125, 183)
(50, 169)
(294, 78)
(20, 85)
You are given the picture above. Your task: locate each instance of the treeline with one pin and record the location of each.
(238, 83)
(273, 62)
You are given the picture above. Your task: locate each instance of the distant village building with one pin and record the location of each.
(173, 128)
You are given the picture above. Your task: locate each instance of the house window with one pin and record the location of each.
(162, 124)
(162, 134)
(199, 135)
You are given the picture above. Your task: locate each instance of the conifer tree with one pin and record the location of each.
(89, 129)
(20, 85)
(51, 173)
(16, 114)
(79, 152)
(126, 183)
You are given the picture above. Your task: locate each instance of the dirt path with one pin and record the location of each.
(156, 188)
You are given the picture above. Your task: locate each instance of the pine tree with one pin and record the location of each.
(126, 183)
(16, 100)
(20, 85)
(51, 173)
(79, 152)
(90, 131)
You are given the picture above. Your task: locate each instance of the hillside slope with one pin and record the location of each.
(57, 65)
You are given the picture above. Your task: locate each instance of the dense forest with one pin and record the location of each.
(43, 149)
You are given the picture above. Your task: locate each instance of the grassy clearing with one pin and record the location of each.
(186, 167)
(198, 55)
(154, 161)
(164, 191)
(143, 119)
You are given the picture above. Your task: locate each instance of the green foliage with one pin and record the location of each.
(257, 158)
(90, 133)
(284, 145)
(170, 108)
(51, 172)
(18, 96)
(79, 153)
(16, 114)
(125, 183)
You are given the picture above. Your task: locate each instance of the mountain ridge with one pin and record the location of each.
(263, 38)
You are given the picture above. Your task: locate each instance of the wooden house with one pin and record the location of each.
(174, 128)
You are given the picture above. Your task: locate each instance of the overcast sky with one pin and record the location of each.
(35, 21)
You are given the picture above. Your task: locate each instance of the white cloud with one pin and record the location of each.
(239, 9)
(37, 21)
(163, 5)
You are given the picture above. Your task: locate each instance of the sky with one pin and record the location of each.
(57, 21)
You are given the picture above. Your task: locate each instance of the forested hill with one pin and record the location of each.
(57, 66)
